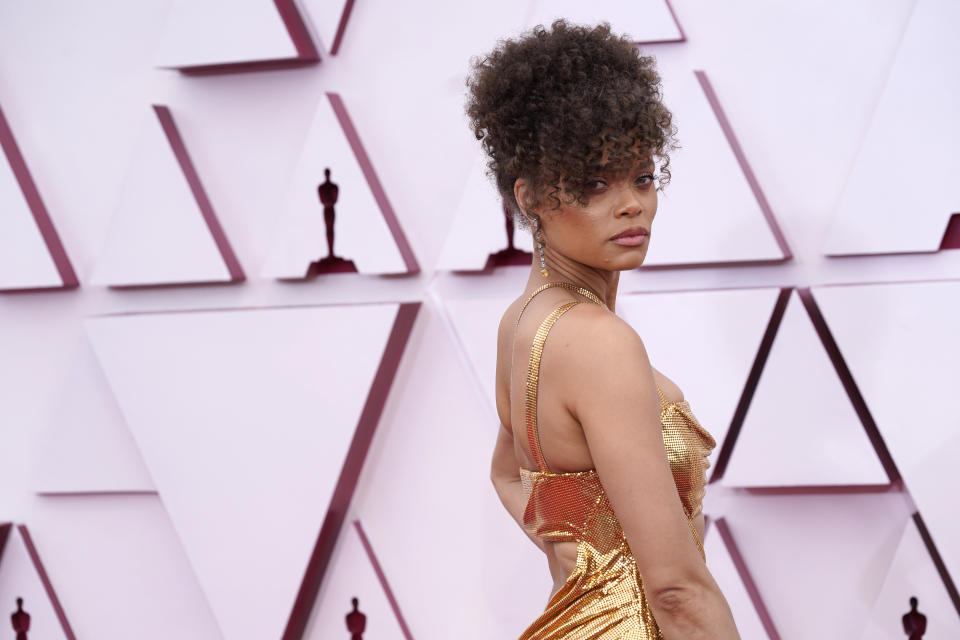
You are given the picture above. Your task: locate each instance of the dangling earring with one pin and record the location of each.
(543, 264)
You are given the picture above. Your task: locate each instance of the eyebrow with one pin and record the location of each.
(648, 165)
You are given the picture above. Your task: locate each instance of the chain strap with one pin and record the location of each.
(566, 285)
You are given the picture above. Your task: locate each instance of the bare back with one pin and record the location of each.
(561, 437)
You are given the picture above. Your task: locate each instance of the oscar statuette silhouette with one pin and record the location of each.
(20, 621)
(329, 192)
(356, 622)
(510, 255)
(914, 622)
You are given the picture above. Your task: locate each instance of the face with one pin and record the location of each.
(588, 234)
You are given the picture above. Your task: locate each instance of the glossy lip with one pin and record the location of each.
(632, 231)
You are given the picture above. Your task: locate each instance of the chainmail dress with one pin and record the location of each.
(603, 598)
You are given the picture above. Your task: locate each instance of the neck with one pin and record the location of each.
(561, 268)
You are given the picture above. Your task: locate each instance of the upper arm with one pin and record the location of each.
(504, 462)
(615, 400)
(502, 384)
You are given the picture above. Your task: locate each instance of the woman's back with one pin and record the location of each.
(598, 589)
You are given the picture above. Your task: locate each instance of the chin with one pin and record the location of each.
(631, 262)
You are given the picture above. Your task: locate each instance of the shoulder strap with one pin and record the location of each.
(533, 378)
(568, 285)
(663, 399)
(696, 538)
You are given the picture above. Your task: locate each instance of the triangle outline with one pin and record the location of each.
(202, 206)
(41, 217)
(297, 32)
(8, 530)
(845, 378)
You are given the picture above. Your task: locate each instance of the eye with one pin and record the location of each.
(596, 184)
(646, 179)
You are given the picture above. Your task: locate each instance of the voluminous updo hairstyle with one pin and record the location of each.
(561, 106)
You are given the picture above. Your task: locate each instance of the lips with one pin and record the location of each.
(631, 232)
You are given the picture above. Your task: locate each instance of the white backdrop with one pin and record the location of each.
(156, 441)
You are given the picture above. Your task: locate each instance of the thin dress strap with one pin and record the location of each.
(536, 351)
(533, 378)
(663, 398)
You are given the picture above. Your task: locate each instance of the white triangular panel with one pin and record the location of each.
(351, 575)
(819, 561)
(244, 419)
(642, 20)
(706, 342)
(25, 261)
(901, 344)
(88, 447)
(475, 321)
(211, 32)
(479, 225)
(120, 569)
(882, 210)
(19, 578)
(724, 571)
(361, 231)
(158, 234)
(912, 574)
(801, 428)
(692, 224)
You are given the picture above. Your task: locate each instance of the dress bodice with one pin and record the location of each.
(573, 506)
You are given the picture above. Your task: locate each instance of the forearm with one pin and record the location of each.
(694, 613)
(510, 491)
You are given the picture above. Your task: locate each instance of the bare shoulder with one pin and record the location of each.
(596, 337)
(593, 336)
(602, 360)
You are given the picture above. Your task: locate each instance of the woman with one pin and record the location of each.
(599, 458)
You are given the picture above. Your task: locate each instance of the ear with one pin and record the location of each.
(521, 193)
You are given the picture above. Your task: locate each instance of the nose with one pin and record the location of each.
(630, 203)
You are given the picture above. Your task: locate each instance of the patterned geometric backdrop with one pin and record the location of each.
(219, 420)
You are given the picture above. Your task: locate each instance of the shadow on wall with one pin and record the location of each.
(329, 192)
(357, 622)
(510, 255)
(914, 622)
(20, 621)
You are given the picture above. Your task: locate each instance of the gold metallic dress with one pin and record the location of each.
(603, 598)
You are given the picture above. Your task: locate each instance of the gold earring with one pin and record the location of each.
(543, 263)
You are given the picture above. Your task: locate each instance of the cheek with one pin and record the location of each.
(579, 229)
(582, 231)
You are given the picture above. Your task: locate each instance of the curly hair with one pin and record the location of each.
(563, 106)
